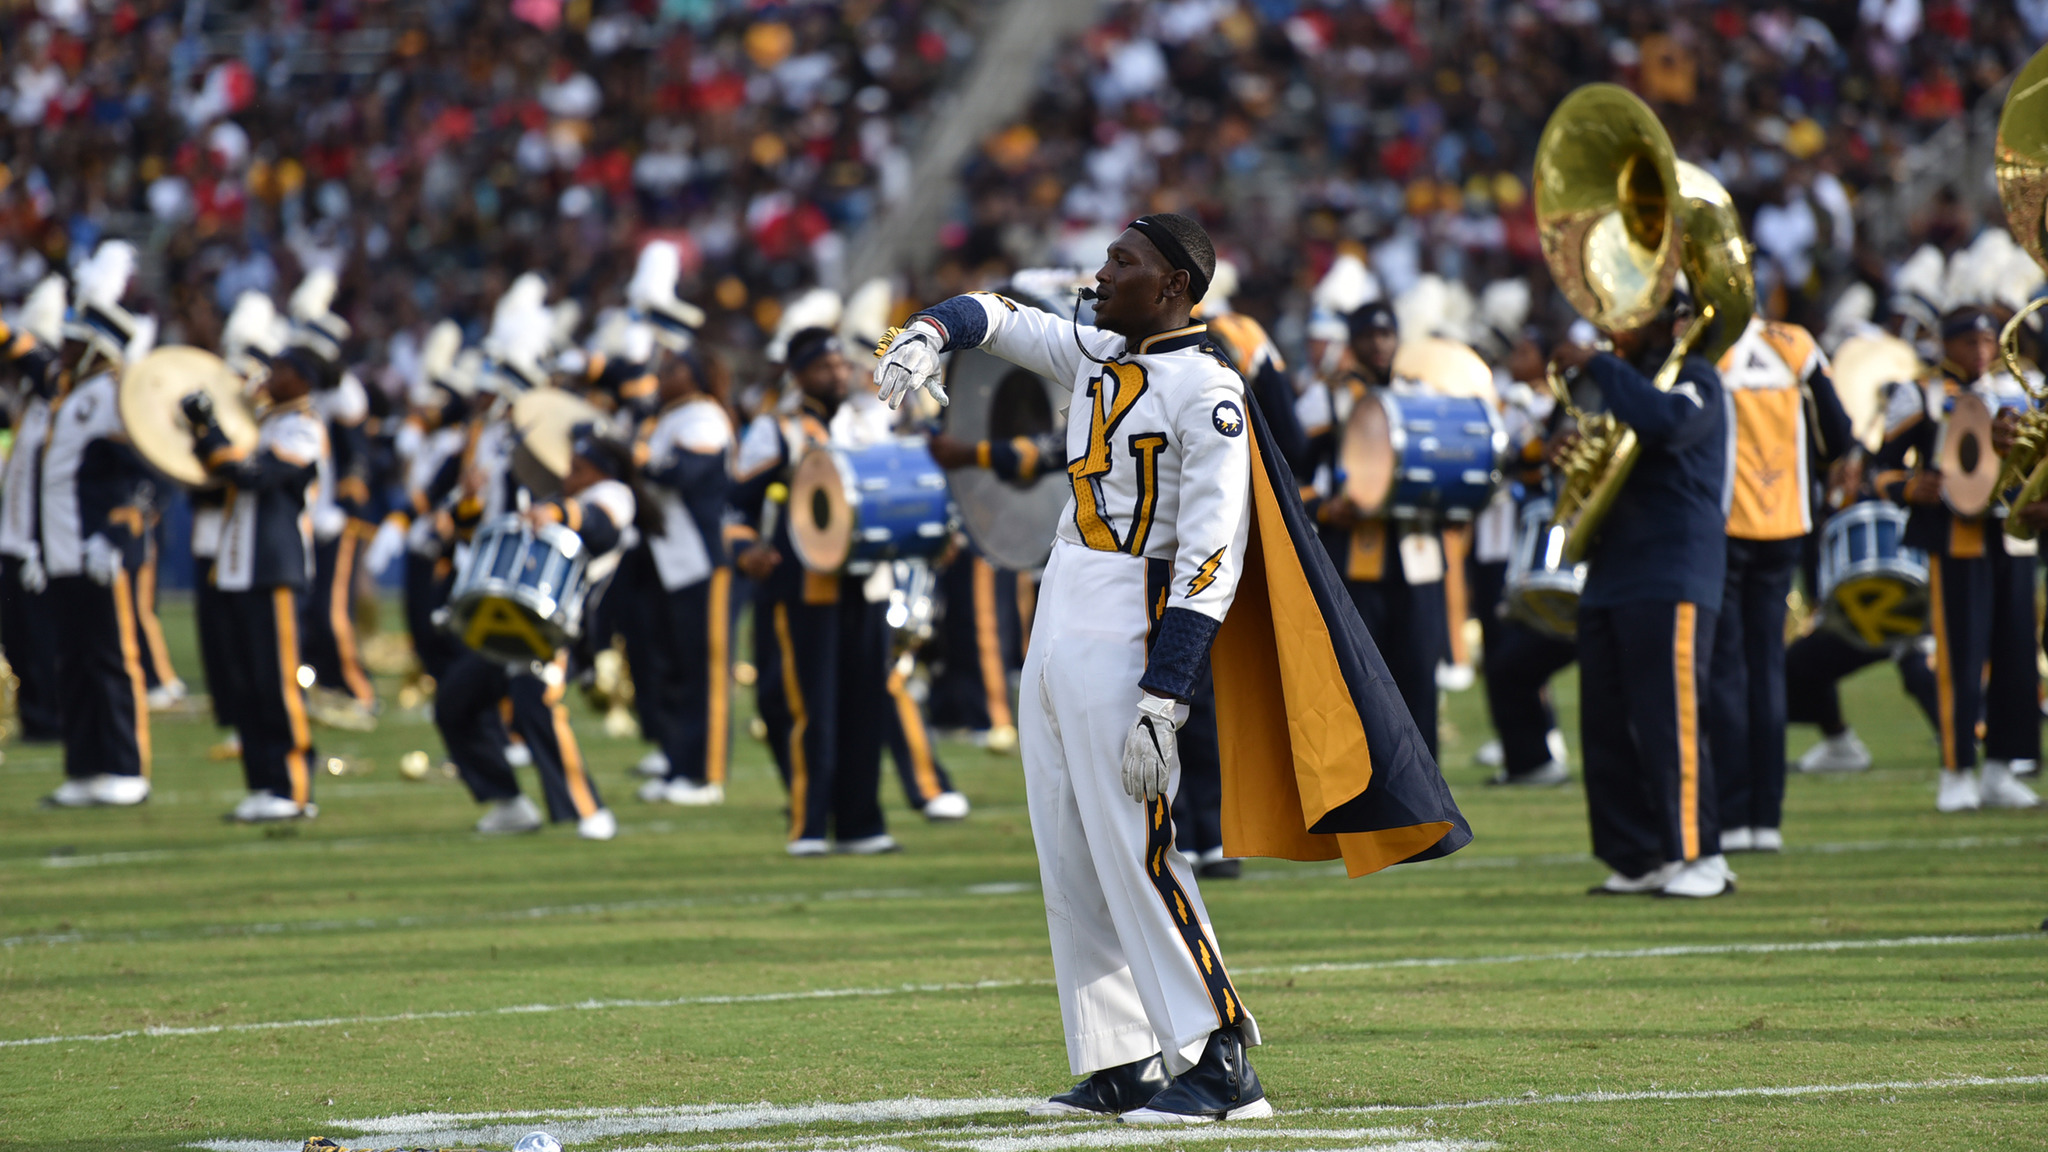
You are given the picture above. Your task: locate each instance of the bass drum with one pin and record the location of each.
(1011, 524)
(853, 508)
(1415, 454)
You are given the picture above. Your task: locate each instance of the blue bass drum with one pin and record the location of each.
(1873, 589)
(1417, 455)
(853, 508)
(519, 594)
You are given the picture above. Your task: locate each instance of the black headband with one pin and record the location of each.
(1170, 247)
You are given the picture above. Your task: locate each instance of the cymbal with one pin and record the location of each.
(152, 390)
(1860, 369)
(542, 422)
(1969, 470)
(1446, 367)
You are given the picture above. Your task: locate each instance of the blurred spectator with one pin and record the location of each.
(432, 149)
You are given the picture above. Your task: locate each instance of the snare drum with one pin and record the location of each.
(1873, 588)
(520, 594)
(1418, 454)
(1542, 591)
(853, 508)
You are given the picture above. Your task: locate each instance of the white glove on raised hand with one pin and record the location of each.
(1151, 754)
(912, 362)
(384, 547)
(102, 559)
(34, 579)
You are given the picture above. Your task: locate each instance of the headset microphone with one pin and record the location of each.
(1084, 294)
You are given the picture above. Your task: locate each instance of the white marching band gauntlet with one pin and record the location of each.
(1151, 754)
(34, 579)
(102, 559)
(912, 362)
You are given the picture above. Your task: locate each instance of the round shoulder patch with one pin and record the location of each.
(1228, 418)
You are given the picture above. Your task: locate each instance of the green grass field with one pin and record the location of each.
(168, 980)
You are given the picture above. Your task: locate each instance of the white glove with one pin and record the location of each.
(33, 578)
(1151, 754)
(384, 547)
(102, 560)
(912, 362)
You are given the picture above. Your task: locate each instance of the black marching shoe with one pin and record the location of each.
(1109, 1092)
(1221, 1087)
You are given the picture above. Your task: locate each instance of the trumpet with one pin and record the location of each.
(2022, 170)
(1619, 216)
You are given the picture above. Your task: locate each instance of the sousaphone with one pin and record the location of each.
(152, 395)
(1619, 217)
(2022, 170)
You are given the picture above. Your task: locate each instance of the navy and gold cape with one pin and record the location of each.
(1321, 758)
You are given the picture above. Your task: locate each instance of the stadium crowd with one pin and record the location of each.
(431, 151)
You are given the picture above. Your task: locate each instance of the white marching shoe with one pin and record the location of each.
(654, 764)
(1842, 752)
(1703, 879)
(1764, 840)
(166, 696)
(268, 808)
(518, 755)
(946, 806)
(686, 792)
(807, 846)
(128, 791)
(599, 825)
(1648, 882)
(74, 792)
(506, 816)
(1958, 792)
(868, 846)
(1999, 787)
(1490, 755)
(1738, 840)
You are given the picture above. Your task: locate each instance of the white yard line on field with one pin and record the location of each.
(995, 888)
(1674, 950)
(1640, 953)
(1699, 1094)
(574, 1126)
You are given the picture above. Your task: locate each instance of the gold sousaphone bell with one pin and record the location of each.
(2022, 168)
(1619, 217)
(152, 395)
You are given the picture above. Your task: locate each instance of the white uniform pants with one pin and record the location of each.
(1136, 963)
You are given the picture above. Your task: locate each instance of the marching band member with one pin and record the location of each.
(1393, 569)
(94, 493)
(27, 625)
(1172, 474)
(1786, 413)
(262, 571)
(441, 410)
(251, 340)
(821, 649)
(1982, 596)
(341, 523)
(680, 649)
(1520, 660)
(599, 505)
(1142, 987)
(1646, 620)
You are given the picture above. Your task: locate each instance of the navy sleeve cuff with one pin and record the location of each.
(1180, 650)
(966, 325)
